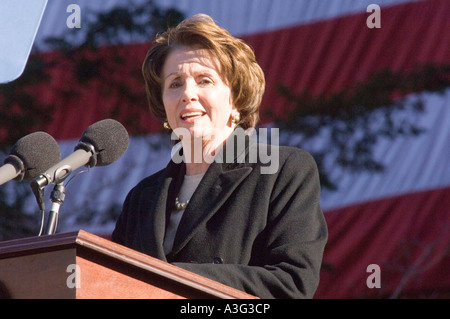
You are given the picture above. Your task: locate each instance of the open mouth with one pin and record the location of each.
(192, 115)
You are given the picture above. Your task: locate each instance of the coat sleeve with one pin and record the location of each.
(296, 235)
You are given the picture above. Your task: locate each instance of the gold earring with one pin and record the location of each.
(236, 118)
(166, 125)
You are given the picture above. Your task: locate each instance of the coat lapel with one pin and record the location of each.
(153, 227)
(206, 201)
(217, 185)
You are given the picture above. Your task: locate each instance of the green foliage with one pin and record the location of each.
(13, 222)
(348, 124)
(87, 66)
(352, 121)
(103, 70)
(20, 111)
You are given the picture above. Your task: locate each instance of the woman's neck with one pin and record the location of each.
(196, 168)
(200, 153)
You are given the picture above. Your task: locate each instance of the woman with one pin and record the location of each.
(224, 219)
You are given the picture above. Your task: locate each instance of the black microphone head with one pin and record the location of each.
(37, 151)
(109, 138)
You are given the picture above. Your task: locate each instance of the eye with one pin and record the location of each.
(205, 81)
(175, 84)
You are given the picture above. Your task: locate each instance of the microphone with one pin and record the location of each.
(29, 156)
(101, 144)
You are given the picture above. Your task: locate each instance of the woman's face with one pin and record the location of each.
(194, 95)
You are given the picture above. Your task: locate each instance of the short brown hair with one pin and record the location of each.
(238, 66)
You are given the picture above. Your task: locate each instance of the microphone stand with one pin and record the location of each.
(57, 197)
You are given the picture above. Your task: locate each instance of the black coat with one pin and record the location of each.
(260, 233)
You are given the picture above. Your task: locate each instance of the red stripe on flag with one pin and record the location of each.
(322, 57)
(408, 236)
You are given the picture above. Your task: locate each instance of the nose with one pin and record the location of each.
(190, 93)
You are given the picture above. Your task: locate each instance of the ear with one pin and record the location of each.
(234, 111)
(235, 116)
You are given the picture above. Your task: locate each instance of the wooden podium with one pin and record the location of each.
(81, 265)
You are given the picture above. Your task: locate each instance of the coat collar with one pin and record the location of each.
(221, 179)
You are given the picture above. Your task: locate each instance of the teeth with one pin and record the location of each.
(191, 114)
